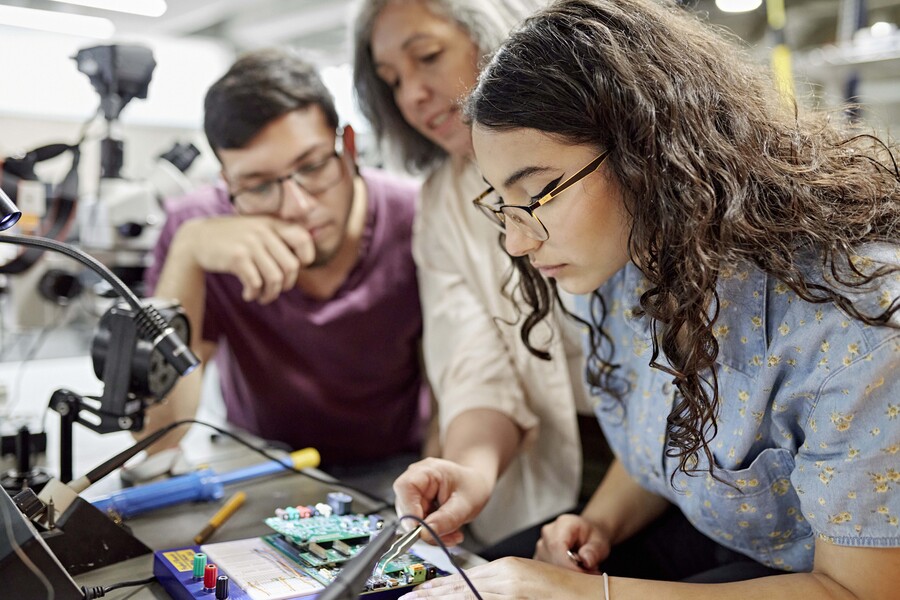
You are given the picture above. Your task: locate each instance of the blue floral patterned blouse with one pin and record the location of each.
(808, 421)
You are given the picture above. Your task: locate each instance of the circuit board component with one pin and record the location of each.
(322, 541)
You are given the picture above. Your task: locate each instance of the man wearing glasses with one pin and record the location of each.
(297, 275)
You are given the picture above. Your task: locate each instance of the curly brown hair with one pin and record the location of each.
(716, 168)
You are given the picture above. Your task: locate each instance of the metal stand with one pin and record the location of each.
(25, 475)
(70, 405)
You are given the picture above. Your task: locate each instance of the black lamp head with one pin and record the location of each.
(9, 213)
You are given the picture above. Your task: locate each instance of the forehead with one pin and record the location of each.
(501, 153)
(279, 144)
(401, 23)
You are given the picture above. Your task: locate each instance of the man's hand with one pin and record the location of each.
(448, 494)
(264, 253)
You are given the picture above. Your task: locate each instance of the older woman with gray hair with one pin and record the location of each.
(509, 404)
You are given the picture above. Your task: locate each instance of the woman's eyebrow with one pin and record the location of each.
(522, 173)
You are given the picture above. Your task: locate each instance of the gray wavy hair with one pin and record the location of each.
(488, 23)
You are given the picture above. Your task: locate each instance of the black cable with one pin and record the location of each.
(446, 550)
(90, 593)
(117, 461)
(381, 502)
(124, 584)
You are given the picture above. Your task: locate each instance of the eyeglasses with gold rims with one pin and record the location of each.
(523, 217)
(316, 176)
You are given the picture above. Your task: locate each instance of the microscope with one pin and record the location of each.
(120, 224)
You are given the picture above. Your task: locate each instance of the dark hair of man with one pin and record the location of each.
(717, 170)
(261, 86)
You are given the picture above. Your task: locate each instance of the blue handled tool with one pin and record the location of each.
(200, 486)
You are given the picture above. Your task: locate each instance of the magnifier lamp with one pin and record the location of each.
(139, 351)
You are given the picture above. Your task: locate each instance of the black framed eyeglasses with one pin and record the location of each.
(522, 217)
(315, 177)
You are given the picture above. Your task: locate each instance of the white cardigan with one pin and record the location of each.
(476, 360)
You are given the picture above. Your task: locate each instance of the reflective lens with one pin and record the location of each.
(314, 178)
(524, 222)
(518, 217)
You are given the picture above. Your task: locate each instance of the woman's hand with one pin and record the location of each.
(445, 494)
(589, 542)
(513, 578)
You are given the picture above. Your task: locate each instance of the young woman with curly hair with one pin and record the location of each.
(739, 260)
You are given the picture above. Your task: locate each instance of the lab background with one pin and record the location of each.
(827, 51)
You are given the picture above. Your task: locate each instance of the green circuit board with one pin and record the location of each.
(322, 543)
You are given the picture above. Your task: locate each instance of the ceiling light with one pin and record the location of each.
(57, 22)
(738, 6)
(146, 8)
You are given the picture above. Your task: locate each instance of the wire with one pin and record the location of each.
(125, 584)
(18, 340)
(381, 503)
(16, 390)
(446, 550)
(110, 465)
(30, 354)
(90, 593)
